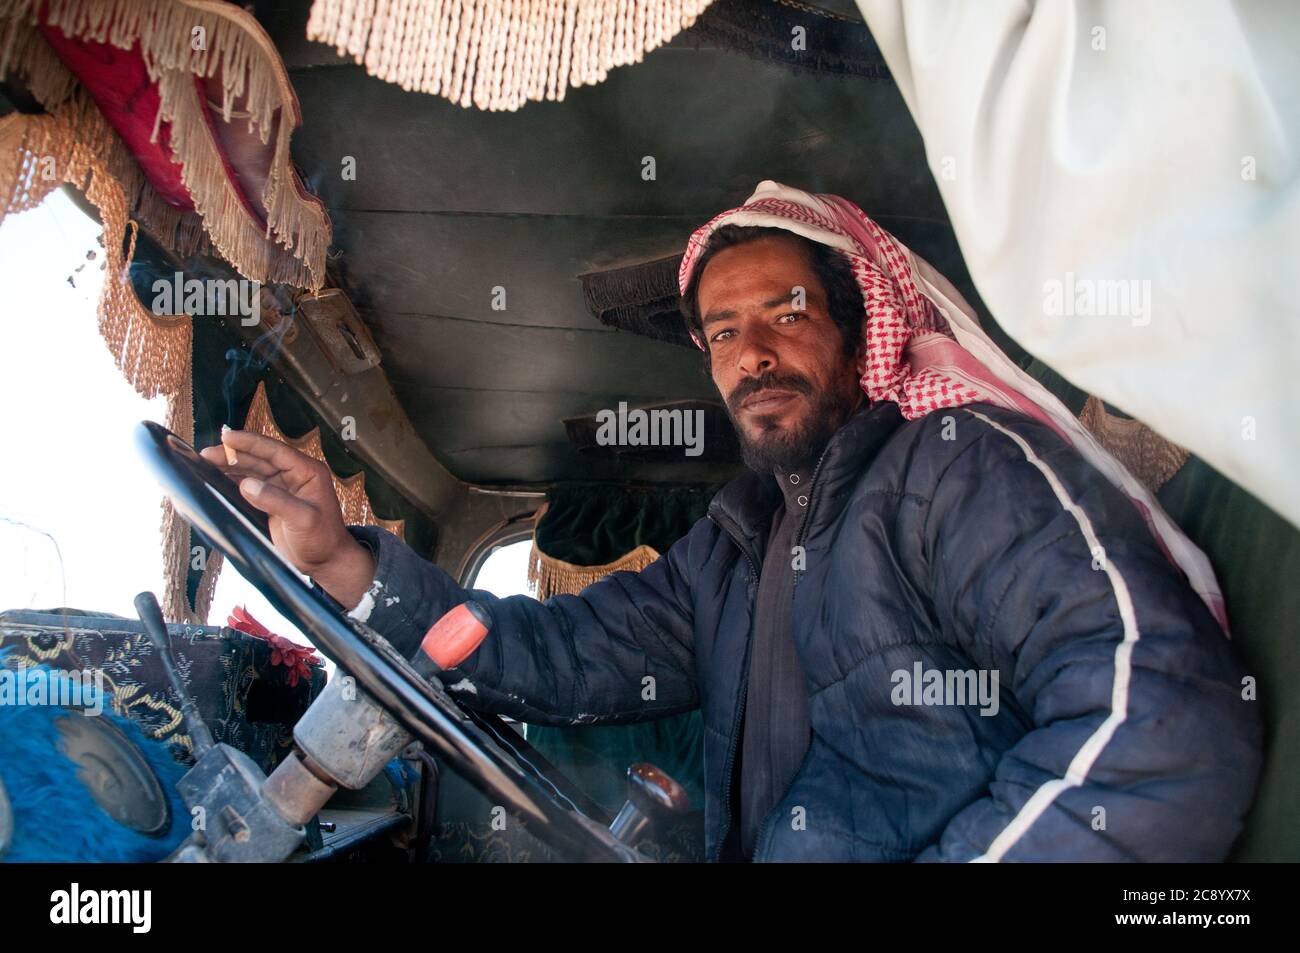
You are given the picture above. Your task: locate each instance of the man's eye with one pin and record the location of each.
(720, 336)
(792, 317)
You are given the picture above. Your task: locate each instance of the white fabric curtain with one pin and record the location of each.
(1122, 178)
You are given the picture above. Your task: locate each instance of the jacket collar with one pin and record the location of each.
(744, 506)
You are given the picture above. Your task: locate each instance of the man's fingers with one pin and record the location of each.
(248, 464)
(275, 501)
(271, 457)
(281, 454)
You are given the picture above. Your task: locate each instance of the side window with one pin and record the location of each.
(505, 571)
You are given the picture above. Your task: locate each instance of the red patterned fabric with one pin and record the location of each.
(118, 81)
(120, 86)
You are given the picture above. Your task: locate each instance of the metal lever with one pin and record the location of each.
(152, 618)
(651, 796)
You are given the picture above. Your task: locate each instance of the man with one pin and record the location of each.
(924, 625)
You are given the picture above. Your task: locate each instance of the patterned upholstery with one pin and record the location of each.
(246, 701)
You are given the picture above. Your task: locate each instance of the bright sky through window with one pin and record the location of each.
(79, 514)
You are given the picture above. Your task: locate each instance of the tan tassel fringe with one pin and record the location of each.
(548, 576)
(208, 585)
(497, 54)
(291, 247)
(1147, 455)
(25, 52)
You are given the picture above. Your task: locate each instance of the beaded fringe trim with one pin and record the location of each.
(497, 54)
(548, 576)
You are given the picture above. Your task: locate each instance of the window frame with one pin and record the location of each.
(514, 529)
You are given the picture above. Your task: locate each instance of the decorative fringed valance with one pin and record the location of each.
(1147, 455)
(284, 240)
(74, 143)
(497, 54)
(38, 157)
(641, 297)
(548, 576)
(351, 491)
(587, 531)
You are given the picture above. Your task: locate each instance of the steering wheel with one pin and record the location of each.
(470, 744)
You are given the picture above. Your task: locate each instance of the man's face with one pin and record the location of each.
(778, 361)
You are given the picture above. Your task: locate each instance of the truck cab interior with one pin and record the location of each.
(446, 300)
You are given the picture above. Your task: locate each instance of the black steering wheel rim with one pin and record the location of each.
(211, 503)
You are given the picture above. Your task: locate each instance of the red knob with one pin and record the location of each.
(455, 636)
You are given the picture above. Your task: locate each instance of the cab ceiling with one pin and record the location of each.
(450, 203)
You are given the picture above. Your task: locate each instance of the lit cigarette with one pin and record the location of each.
(231, 459)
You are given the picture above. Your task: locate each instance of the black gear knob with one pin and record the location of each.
(652, 795)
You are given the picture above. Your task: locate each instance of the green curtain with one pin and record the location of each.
(1256, 556)
(591, 524)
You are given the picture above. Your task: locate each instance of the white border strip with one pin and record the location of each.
(1087, 755)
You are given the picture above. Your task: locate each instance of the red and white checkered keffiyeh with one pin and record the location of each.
(925, 350)
(910, 357)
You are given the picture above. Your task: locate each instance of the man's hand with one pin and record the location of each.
(297, 493)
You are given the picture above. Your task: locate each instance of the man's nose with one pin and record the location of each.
(757, 354)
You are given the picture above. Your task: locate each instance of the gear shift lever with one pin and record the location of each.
(652, 796)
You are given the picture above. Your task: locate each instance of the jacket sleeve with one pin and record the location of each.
(1140, 745)
(621, 651)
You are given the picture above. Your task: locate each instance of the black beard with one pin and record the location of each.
(775, 449)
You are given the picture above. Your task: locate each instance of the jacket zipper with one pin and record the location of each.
(740, 708)
(744, 675)
(765, 832)
(807, 517)
(760, 845)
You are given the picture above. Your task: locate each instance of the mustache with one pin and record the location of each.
(769, 381)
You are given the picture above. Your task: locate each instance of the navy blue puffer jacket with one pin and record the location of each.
(1001, 663)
